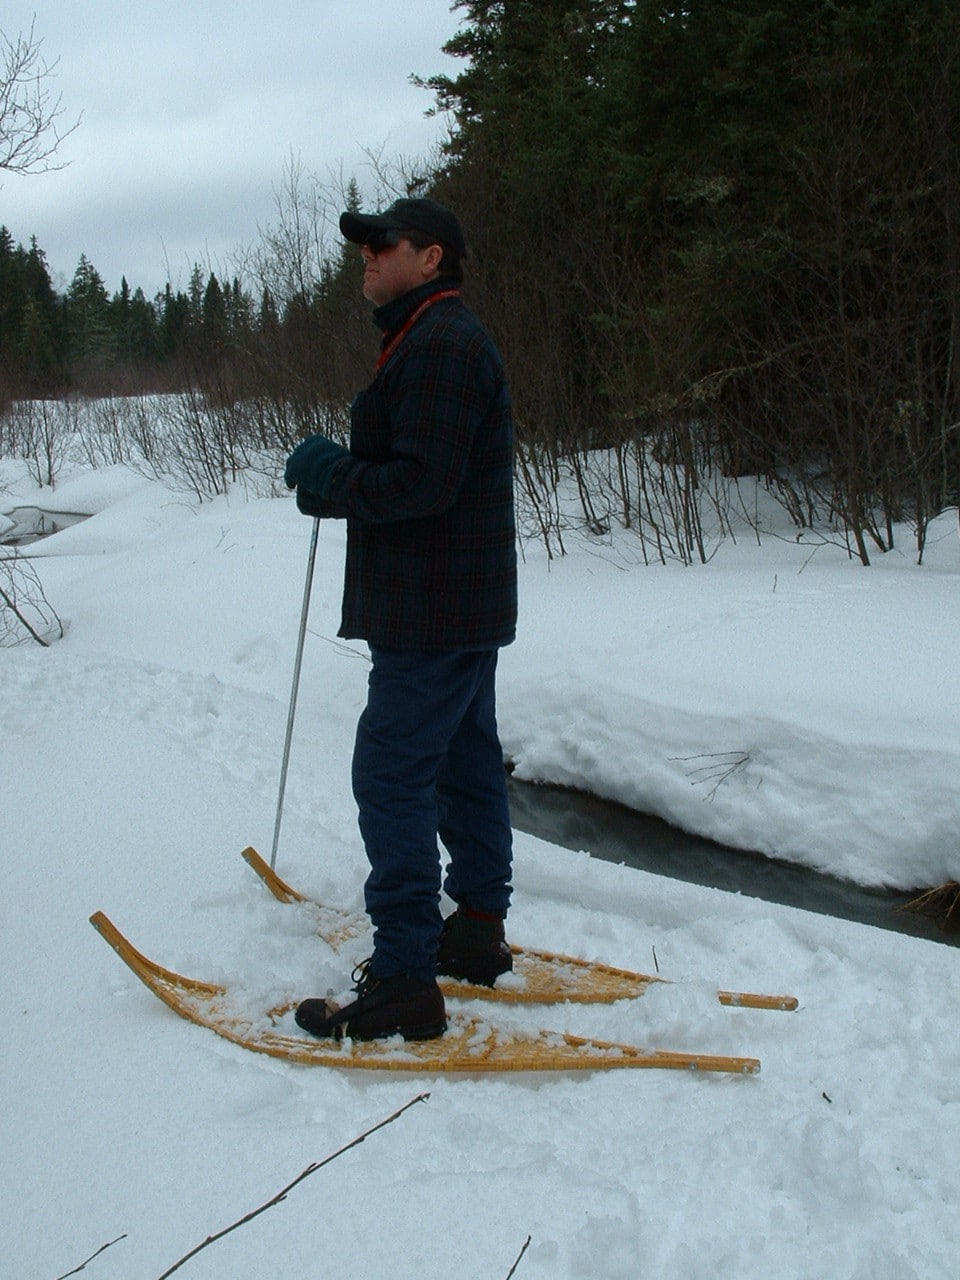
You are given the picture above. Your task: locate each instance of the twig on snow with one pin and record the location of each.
(21, 594)
(282, 1195)
(723, 765)
(103, 1248)
(526, 1246)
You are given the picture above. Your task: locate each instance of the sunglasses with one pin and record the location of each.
(377, 241)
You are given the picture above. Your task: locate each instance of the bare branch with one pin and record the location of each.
(526, 1246)
(722, 765)
(103, 1248)
(29, 113)
(282, 1195)
(24, 609)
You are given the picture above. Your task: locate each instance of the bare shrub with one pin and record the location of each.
(25, 612)
(38, 432)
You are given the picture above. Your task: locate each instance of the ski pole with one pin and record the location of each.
(296, 685)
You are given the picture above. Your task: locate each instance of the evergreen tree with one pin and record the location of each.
(268, 317)
(120, 321)
(142, 335)
(11, 292)
(31, 328)
(36, 355)
(133, 322)
(239, 312)
(87, 309)
(174, 323)
(195, 291)
(213, 318)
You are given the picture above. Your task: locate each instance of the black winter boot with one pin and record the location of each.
(400, 1005)
(473, 948)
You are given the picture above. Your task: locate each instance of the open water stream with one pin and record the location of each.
(23, 525)
(576, 820)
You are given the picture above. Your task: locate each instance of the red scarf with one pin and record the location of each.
(399, 336)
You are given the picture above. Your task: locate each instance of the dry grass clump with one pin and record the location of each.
(942, 904)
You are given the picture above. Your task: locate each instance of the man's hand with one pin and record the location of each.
(311, 466)
(309, 503)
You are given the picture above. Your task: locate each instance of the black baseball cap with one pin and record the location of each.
(422, 215)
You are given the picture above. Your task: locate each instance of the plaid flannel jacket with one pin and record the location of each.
(428, 492)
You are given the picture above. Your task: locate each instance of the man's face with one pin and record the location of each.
(392, 271)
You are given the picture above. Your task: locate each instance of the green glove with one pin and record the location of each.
(309, 503)
(312, 464)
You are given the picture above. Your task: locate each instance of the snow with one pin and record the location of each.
(780, 698)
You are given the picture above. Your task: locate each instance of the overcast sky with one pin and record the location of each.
(191, 113)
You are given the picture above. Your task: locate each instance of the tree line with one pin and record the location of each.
(723, 233)
(86, 341)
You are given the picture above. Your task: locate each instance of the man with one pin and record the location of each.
(426, 488)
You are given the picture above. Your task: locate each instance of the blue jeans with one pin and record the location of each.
(427, 763)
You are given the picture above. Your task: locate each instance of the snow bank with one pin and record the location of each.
(807, 706)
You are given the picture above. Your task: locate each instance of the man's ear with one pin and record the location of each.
(432, 259)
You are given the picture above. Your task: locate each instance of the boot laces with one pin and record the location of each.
(361, 977)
